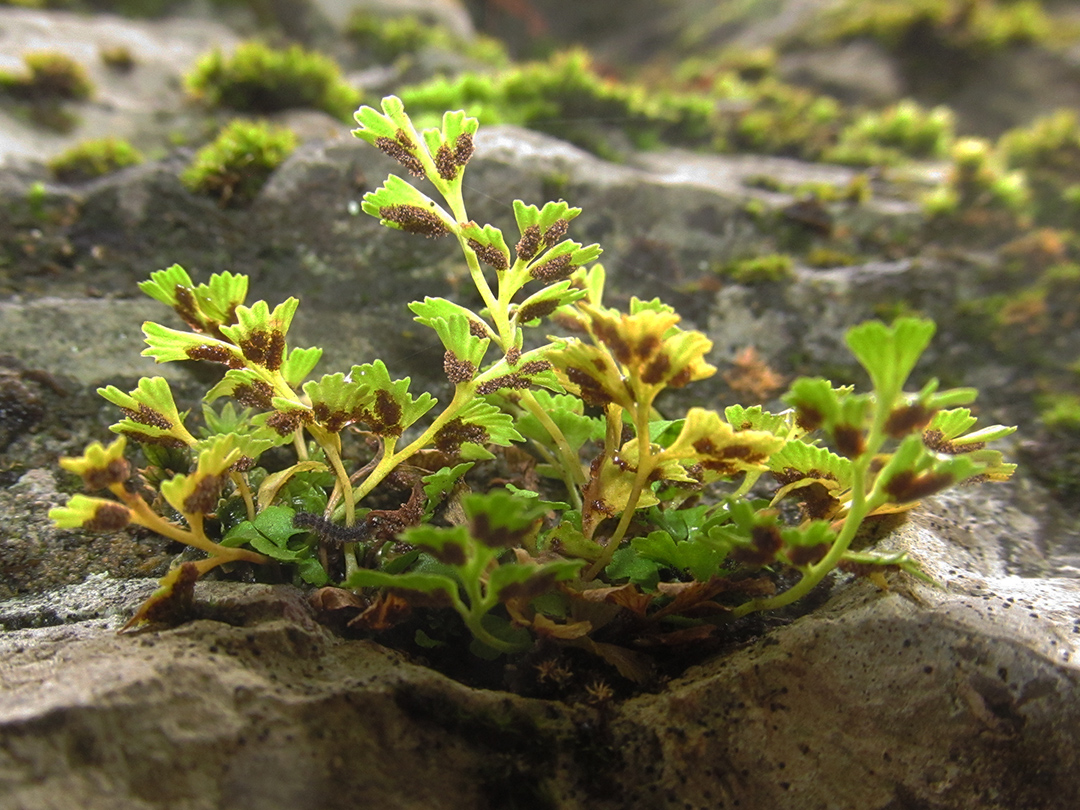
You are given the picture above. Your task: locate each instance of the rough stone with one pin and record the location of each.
(953, 696)
(141, 105)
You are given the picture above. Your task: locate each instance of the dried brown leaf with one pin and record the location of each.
(387, 611)
(628, 596)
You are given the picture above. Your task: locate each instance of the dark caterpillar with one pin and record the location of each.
(330, 532)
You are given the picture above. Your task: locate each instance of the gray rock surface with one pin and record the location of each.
(450, 14)
(141, 104)
(1005, 91)
(958, 696)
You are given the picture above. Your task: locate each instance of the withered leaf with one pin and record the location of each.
(329, 600)
(388, 610)
(171, 602)
(628, 596)
(545, 627)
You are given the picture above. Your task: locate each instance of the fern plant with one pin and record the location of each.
(672, 521)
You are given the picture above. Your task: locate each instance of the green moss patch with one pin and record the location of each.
(94, 158)
(256, 78)
(236, 165)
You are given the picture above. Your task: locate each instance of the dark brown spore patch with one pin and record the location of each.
(515, 381)
(609, 335)
(849, 440)
(148, 416)
(529, 589)
(681, 378)
(591, 391)
(553, 270)
(494, 536)
(765, 541)
(536, 310)
(215, 354)
(457, 370)
(647, 346)
(414, 219)
(807, 555)
(908, 486)
(384, 417)
(936, 441)
(528, 243)
(906, 419)
(256, 394)
(535, 367)
(656, 370)
(555, 233)
(332, 420)
(477, 329)
(205, 497)
(115, 472)
(186, 307)
(264, 348)
(177, 603)
(463, 148)
(108, 517)
(286, 422)
(448, 554)
(445, 163)
(808, 417)
(456, 432)
(727, 460)
(401, 153)
(489, 255)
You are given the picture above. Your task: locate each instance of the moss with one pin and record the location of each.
(939, 42)
(826, 257)
(118, 58)
(982, 26)
(1031, 254)
(387, 38)
(1060, 411)
(565, 96)
(892, 310)
(94, 158)
(49, 76)
(258, 79)
(885, 138)
(979, 194)
(759, 269)
(857, 190)
(749, 65)
(1049, 153)
(942, 46)
(238, 162)
(774, 118)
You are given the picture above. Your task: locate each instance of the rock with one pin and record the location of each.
(301, 236)
(927, 699)
(450, 14)
(989, 95)
(955, 696)
(93, 341)
(141, 105)
(36, 557)
(857, 72)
